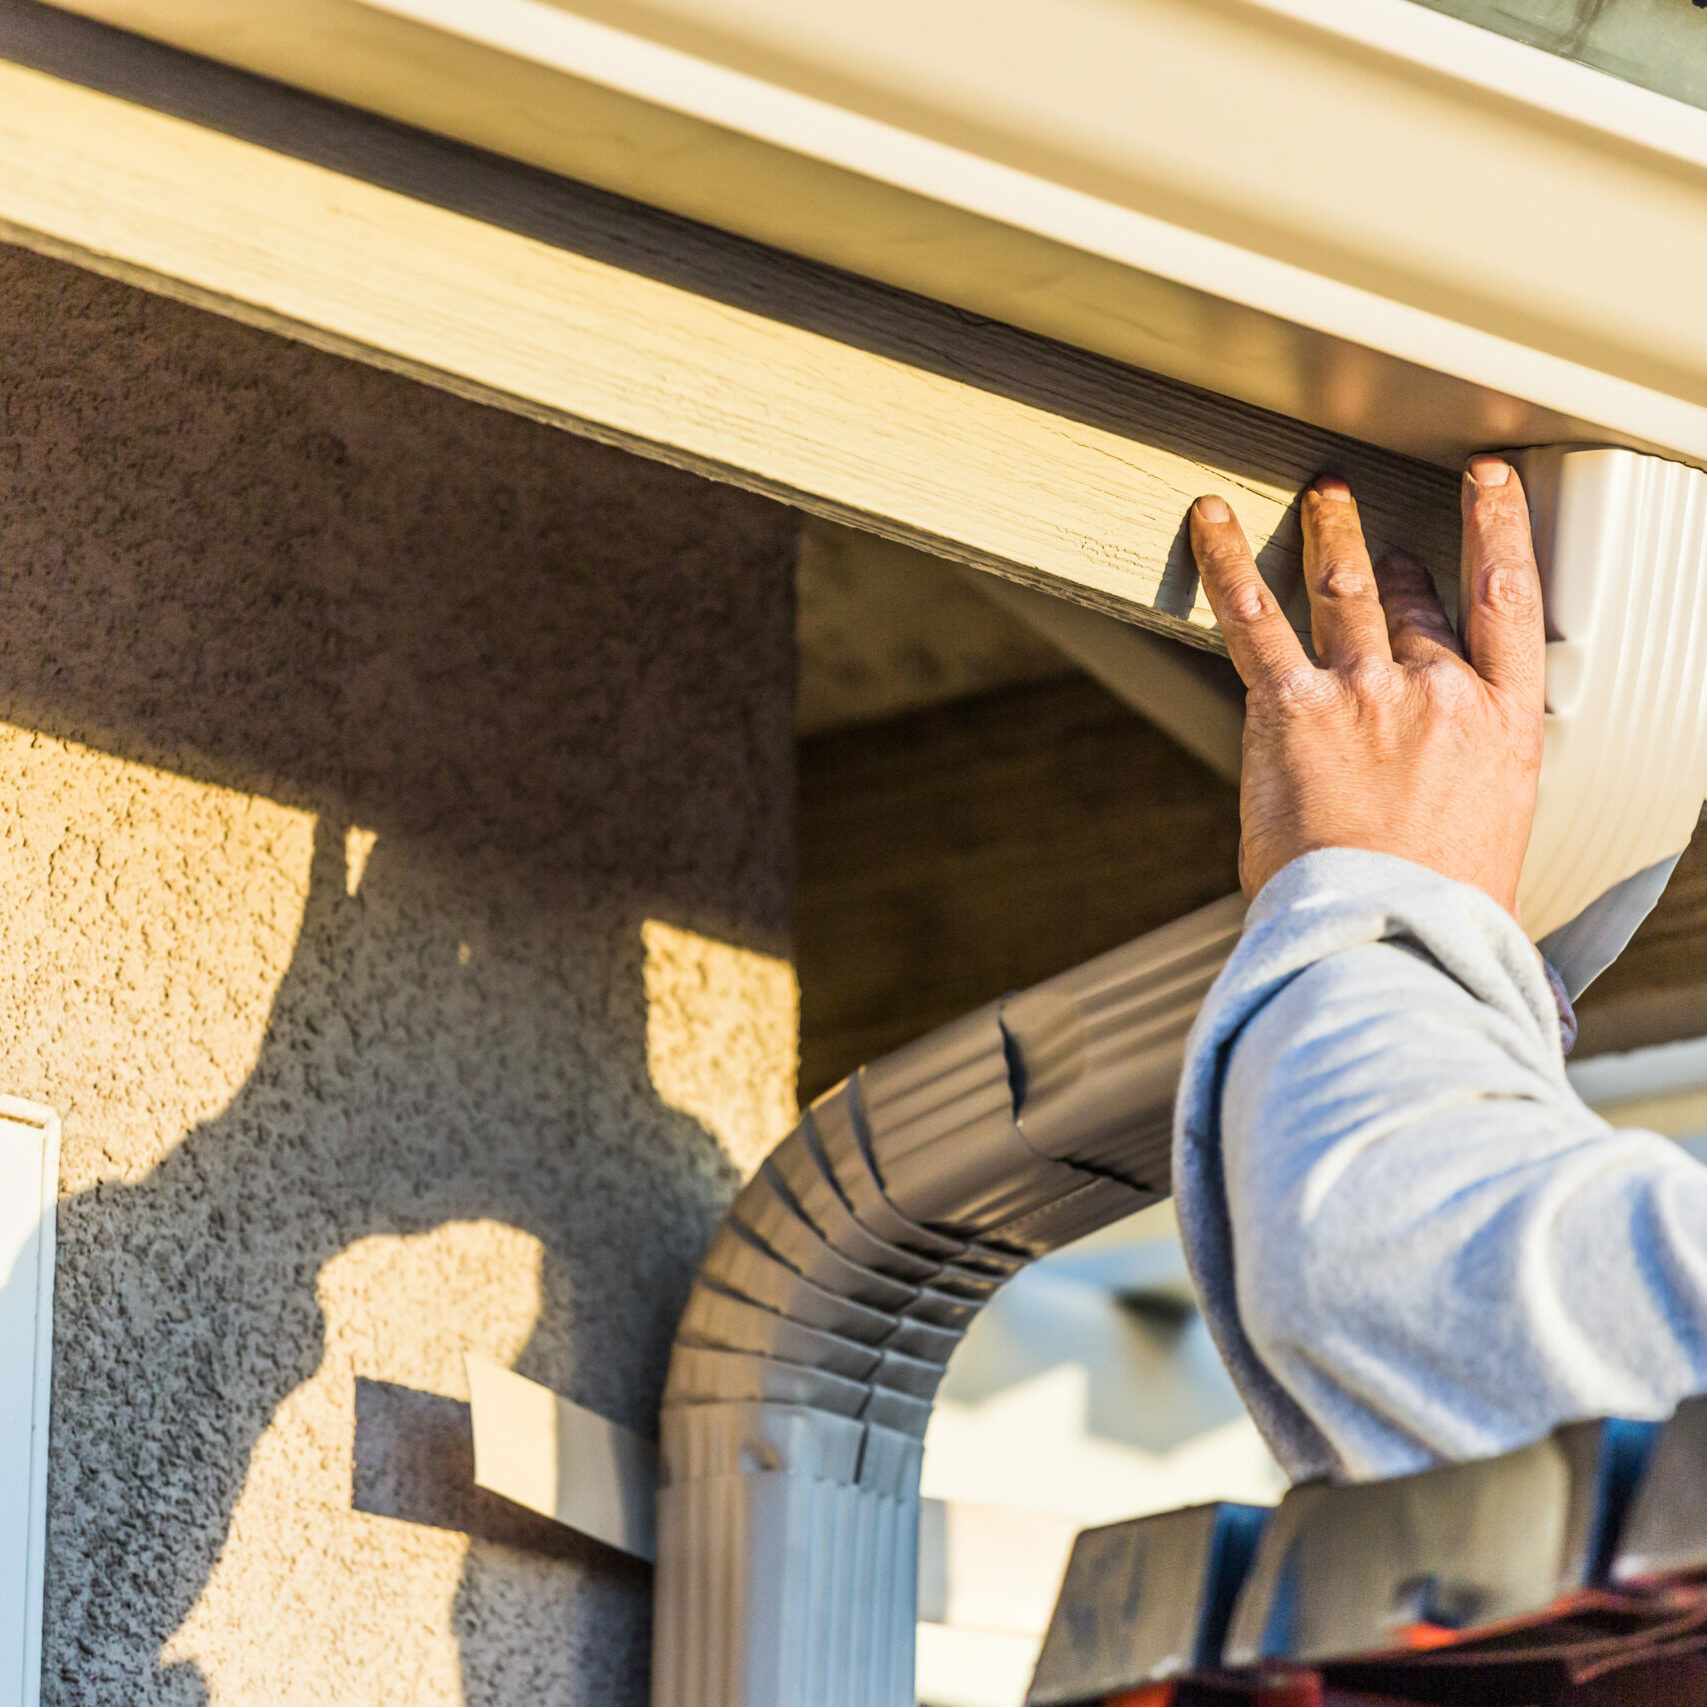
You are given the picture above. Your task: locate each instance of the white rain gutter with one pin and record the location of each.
(824, 1315)
(1356, 212)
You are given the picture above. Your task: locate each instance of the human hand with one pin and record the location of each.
(1400, 738)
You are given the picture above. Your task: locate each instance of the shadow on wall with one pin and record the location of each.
(534, 693)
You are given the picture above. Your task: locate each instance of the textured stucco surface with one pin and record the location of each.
(367, 759)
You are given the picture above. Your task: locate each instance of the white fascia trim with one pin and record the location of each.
(1433, 44)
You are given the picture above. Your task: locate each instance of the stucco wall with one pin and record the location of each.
(396, 820)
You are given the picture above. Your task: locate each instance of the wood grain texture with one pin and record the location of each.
(973, 440)
(954, 854)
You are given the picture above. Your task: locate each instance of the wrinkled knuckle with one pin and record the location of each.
(1511, 589)
(1372, 680)
(1295, 690)
(1244, 603)
(1447, 685)
(1343, 579)
(1224, 547)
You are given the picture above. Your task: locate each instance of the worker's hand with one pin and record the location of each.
(1399, 739)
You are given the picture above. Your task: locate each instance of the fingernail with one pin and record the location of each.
(1488, 471)
(1213, 509)
(1331, 486)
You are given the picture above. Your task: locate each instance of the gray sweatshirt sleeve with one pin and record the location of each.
(1412, 1240)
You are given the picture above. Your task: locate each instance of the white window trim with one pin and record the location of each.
(29, 1184)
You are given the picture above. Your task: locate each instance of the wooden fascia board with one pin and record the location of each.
(1355, 212)
(971, 439)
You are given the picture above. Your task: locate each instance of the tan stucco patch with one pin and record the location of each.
(397, 1309)
(722, 1037)
(374, 726)
(146, 922)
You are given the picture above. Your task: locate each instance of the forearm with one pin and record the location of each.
(1413, 1240)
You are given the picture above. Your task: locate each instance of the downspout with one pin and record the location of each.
(824, 1315)
(838, 1287)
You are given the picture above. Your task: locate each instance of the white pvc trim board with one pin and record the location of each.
(542, 1451)
(980, 1567)
(29, 1188)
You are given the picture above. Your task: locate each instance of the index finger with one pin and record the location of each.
(1260, 641)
